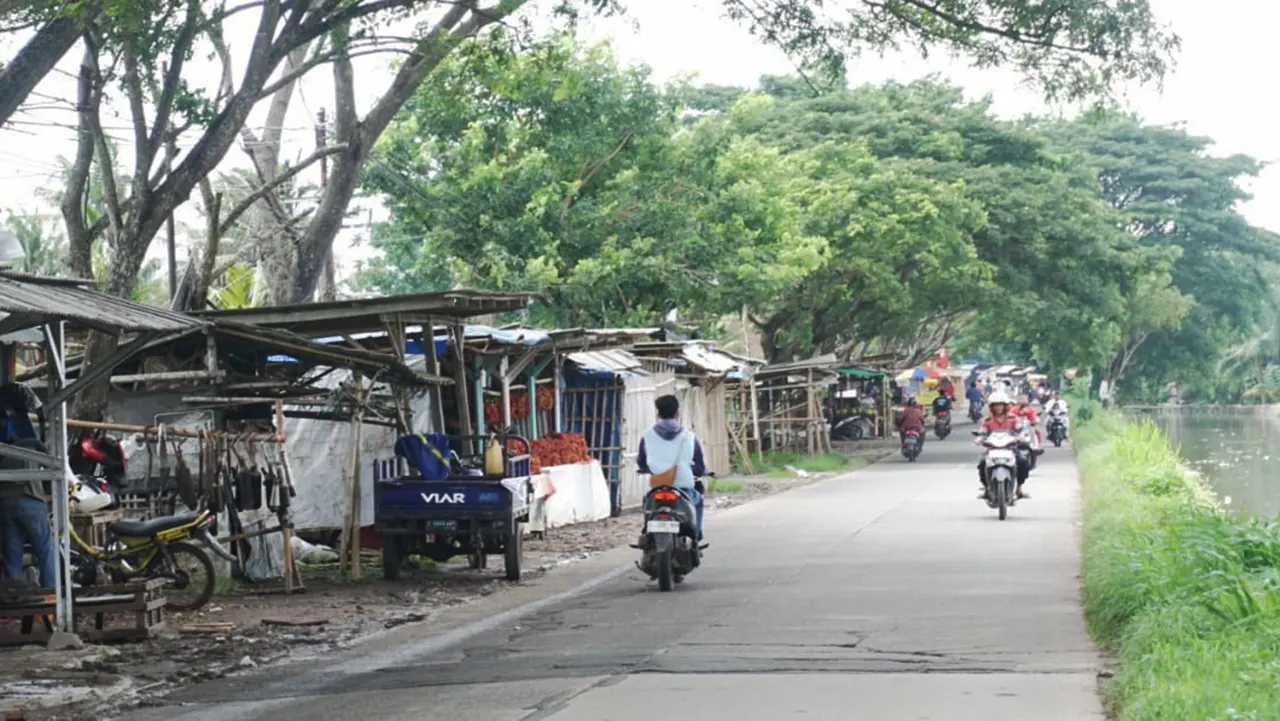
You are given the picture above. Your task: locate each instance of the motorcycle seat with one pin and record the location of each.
(146, 529)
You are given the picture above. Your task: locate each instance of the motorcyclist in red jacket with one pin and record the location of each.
(1003, 417)
(912, 420)
(1028, 413)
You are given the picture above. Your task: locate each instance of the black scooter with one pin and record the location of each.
(669, 541)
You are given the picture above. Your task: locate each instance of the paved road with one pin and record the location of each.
(891, 594)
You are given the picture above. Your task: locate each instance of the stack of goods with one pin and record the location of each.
(558, 449)
(519, 405)
(546, 399)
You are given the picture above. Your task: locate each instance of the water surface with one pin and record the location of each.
(1238, 453)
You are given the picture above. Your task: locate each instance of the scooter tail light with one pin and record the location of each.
(668, 496)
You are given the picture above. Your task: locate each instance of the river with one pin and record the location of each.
(1236, 450)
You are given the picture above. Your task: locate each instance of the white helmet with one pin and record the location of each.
(998, 396)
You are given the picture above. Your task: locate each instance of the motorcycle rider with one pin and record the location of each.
(1002, 418)
(975, 396)
(668, 445)
(941, 404)
(1057, 408)
(912, 420)
(1028, 412)
(946, 388)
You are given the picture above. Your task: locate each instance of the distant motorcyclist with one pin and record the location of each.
(1057, 408)
(975, 397)
(941, 404)
(912, 420)
(1001, 418)
(1028, 413)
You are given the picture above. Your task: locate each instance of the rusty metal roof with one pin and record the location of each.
(369, 314)
(28, 301)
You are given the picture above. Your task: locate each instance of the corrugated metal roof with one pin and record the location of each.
(616, 361)
(708, 360)
(39, 300)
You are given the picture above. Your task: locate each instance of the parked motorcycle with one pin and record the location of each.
(911, 442)
(942, 424)
(1057, 429)
(157, 548)
(669, 541)
(850, 428)
(1001, 449)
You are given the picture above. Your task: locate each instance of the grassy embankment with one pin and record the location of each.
(1188, 596)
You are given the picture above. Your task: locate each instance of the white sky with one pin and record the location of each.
(1213, 90)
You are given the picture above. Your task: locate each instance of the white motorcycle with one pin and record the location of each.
(1001, 473)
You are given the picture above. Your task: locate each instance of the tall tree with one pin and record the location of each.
(1170, 193)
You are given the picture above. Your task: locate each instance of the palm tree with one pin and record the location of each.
(242, 287)
(44, 247)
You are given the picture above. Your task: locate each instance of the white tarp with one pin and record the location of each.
(320, 456)
(581, 494)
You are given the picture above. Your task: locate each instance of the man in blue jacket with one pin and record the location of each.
(668, 445)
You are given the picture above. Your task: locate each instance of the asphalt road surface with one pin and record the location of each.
(891, 594)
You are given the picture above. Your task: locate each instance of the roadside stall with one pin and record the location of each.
(217, 420)
(55, 306)
(404, 330)
(702, 386)
(860, 404)
(609, 399)
(790, 399)
(519, 377)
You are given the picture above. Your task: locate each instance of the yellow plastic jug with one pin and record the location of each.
(493, 462)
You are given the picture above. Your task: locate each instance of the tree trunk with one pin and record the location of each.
(34, 61)
(459, 23)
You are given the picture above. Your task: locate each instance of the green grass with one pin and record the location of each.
(719, 485)
(775, 465)
(1188, 596)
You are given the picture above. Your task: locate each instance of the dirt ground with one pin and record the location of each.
(245, 627)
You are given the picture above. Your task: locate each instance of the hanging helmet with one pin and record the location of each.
(998, 397)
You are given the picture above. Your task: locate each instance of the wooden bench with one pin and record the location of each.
(143, 599)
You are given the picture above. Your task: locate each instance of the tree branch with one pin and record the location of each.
(106, 163)
(34, 61)
(243, 206)
(173, 79)
(133, 90)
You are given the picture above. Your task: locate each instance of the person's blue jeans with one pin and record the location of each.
(696, 497)
(24, 519)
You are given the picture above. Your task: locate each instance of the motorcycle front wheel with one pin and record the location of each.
(191, 576)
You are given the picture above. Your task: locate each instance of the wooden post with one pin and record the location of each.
(755, 414)
(558, 386)
(291, 572)
(350, 555)
(503, 367)
(482, 426)
(433, 367)
(459, 337)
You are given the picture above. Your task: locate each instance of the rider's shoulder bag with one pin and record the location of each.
(668, 477)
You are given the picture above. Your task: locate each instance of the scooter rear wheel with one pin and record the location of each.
(666, 574)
